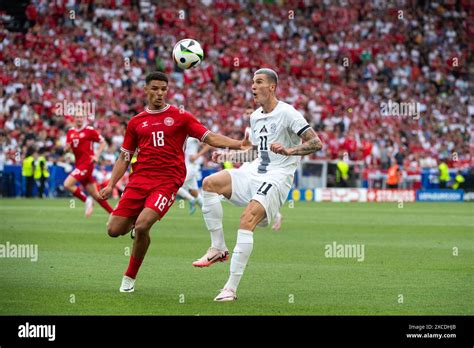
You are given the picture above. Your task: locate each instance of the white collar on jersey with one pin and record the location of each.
(157, 111)
(82, 128)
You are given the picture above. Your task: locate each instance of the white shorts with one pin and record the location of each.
(271, 191)
(191, 181)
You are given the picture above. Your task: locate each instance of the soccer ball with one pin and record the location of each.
(188, 54)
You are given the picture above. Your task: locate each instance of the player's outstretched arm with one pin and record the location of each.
(120, 167)
(223, 142)
(205, 149)
(102, 146)
(311, 144)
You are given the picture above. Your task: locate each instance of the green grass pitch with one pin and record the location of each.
(410, 265)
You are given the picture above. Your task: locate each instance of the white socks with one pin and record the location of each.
(199, 200)
(240, 257)
(185, 194)
(212, 212)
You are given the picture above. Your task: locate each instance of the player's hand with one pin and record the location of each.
(218, 157)
(222, 156)
(94, 159)
(246, 143)
(106, 192)
(280, 149)
(192, 158)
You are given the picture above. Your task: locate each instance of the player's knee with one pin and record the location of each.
(208, 184)
(142, 229)
(113, 231)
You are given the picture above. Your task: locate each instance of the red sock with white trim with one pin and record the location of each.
(133, 267)
(79, 194)
(104, 204)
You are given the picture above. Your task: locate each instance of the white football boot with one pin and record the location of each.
(128, 284)
(89, 206)
(212, 256)
(226, 295)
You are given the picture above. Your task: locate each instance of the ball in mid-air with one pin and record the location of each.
(187, 54)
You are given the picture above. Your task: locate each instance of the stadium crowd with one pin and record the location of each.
(338, 61)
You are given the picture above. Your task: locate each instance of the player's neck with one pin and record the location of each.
(269, 105)
(154, 108)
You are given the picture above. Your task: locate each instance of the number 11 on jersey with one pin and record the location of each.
(158, 138)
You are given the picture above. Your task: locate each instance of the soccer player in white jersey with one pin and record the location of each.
(262, 186)
(278, 217)
(193, 160)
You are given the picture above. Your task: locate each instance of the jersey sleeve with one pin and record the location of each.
(130, 142)
(195, 128)
(95, 136)
(296, 122)
(68, 137)
(252, 137)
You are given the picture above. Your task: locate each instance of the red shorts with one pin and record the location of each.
(83, 175)
(134, 199)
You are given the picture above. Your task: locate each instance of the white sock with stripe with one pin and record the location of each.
(213, 214)
(240, 257)
(185, 194)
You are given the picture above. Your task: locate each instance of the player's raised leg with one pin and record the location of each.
(197, 196)
(119, 225)
(145, 221)
(213, 186)
(251, 217)
(70, 184)
(92, 189)
(184, 193)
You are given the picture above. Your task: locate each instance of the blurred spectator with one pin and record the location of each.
(27, 171)
(337, 62)
(41, 173)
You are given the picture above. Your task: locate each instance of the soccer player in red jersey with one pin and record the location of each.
(159, 134)
(81, 140)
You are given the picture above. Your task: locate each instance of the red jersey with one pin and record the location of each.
(160, 138)
(81, 141)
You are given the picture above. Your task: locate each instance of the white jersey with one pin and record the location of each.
(192, 148)
(248, 131)
(283, 125)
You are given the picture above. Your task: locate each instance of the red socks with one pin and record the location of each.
(133, 267)
(105, 205)
(79, 194)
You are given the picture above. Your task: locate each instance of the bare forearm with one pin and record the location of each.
(306, 148)
(119, 170)
(311, 143)
(100, 149)
(205, 149)
(223, 142)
